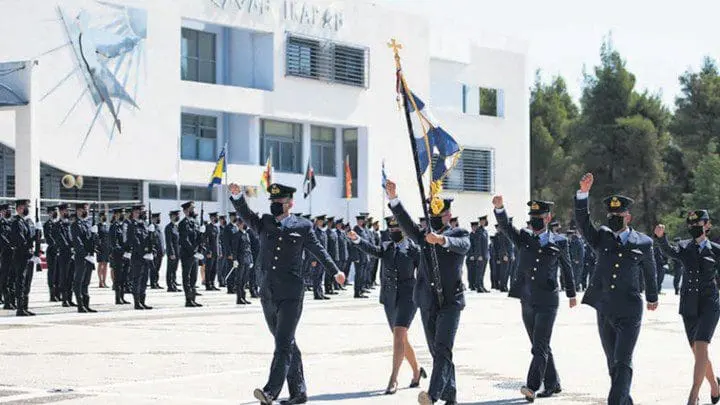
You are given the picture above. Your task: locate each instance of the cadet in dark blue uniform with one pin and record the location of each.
(483, 255)
(25, 253)
(661, 265)
(51, 254)
(503, 260)
(83, 241)
(539, 253)
(227, 238)
(212, 251)
(117, 255)
(577, 258)
(359, 259)
(699, 301)
(172, 251)
(243, 263)
(623, 254)
(102, 247)
(316, 269)
(334, 251)
(64, 245)
(400, 258)
(6, 281)
(140, 242)
(283, 237)
(470, 262)
(440, 321)
(190, 241)
(343, 263)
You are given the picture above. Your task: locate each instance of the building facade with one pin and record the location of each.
(139, 98)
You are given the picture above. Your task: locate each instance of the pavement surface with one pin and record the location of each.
(219, 353)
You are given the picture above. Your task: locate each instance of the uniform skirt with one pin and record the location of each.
(400, 312)
(702, 327)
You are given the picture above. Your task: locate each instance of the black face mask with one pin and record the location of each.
(696, 231)
(143, 216)
(26, 211)
(616, 223)
(214, 221)
(276, 209)
(396, 236)
(121, 217)
(537, 224)
(436, 223)
(84, 215)
(53, 215)
(192, 214)
(7, 214)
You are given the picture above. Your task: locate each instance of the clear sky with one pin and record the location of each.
(658, 39)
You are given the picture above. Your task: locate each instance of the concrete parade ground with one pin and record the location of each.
(219, 353)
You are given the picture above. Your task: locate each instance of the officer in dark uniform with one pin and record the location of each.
(83, 241)
(51, 253)
(493, 260)
(678, 270)
(140, 241)
(212, 252)
(483, 254)
(471, 262)
(539, 253)
(316, 269)
(343, 262)
(158, 251)
(7, 287)
(22, 240)
(227, 238)
(440, 320)
(400, 258)
(243, 262)
(117, 254)
(699, 302)
(283, 237)
(359, 258)
(577, 258)
(376, 240)
(63, 242)
(190, 241)
(221, 261)
(503, 260)
(334, 251)
(622, 255)
(661, 265)
(172, 247)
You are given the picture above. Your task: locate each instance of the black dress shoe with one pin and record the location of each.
(263, 397)
(415, 384)
(716, 399)
(547, 393)
(300, 399)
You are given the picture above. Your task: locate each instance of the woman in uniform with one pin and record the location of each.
(699, 302)
(400, 258)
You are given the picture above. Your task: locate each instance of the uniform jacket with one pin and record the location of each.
(614, 288)
(212, 240)
(536, 282)
(342, 245)
(139, 240)
(62, 237)
(82, 239)
(242, 248)
(577, 251)
(172, 240)
(281, 248)
(397, 275)
(699, 291)
(450, 261)
(332, 244)
(190, 237)
(21, 239)
(49, 233)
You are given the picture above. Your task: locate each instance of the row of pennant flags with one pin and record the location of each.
(434, 149)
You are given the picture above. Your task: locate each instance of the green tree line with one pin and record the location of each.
(665, 160)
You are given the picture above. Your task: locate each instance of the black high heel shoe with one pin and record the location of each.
(392, 389)
(716, 399)
(415, 384)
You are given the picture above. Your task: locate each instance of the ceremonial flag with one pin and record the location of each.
(348, 178)
(384, 175)
(266, 178)
(309, 182)
(220, 169)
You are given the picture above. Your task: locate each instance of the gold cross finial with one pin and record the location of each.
(395, 45)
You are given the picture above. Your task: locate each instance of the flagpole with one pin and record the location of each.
(225, 189)
(435, 266)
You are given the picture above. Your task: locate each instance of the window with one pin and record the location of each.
(322, 150)
(162, 192)
(350, 149)
(198, 56)
(199, 137)
(474, 172)
(284, 141)
(325, 60)
(483, 101)
(188, 193)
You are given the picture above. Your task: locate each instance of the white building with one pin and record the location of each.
(136, 95)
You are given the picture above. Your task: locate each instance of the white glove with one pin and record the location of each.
(36, 260)
(127, 255)
(94, 229)
(90, 259)
(236, 264)
(202, 228)
(198, 256)
(251, 266)
(151, 228)
(149, 256)
(666, 266)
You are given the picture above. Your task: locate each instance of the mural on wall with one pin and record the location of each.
(108, 45)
